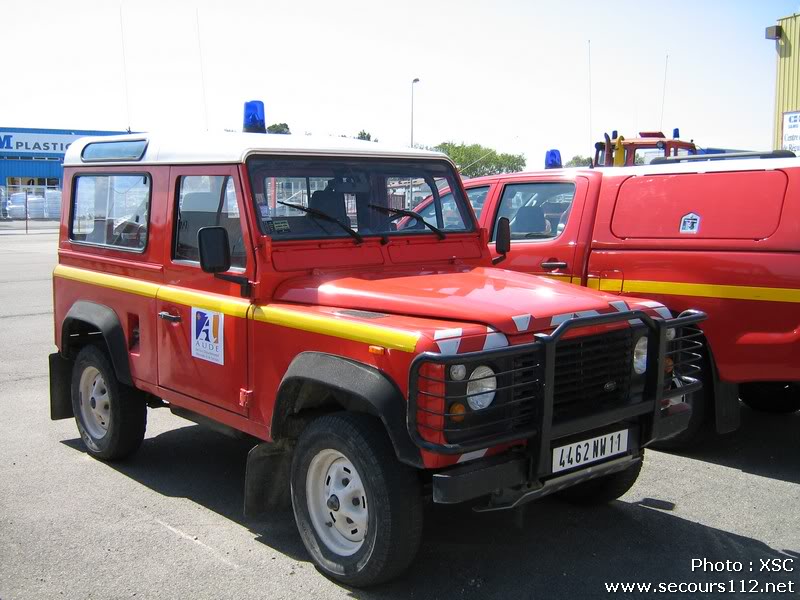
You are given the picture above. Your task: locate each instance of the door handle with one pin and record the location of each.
(549, 265)
(168, 317)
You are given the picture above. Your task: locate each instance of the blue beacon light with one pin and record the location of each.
(552, 159)
(254, 117)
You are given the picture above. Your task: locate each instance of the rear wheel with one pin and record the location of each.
(771, 396)
(605, 489)
(358, 510)
(111, 417)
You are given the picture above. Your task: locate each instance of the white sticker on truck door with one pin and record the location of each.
(208, 335)
(690, 223)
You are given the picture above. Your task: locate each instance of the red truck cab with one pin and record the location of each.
(267, 285)
(722, 236)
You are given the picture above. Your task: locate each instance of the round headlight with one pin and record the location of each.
(458, 372)
(481, 387)
(640, 356)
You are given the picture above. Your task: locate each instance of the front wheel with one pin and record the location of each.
(604, 489)
(771, 396)
(111, 417)
(358, 509)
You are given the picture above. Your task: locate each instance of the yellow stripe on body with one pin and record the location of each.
(710, 290)
(294, 319)
(114, 282)
(610, 285)
(394, 339)
(223, 304)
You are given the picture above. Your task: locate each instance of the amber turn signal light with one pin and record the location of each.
(457, 411)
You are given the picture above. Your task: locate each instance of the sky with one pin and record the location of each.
(513, 75)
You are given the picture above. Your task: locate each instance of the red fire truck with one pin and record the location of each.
(372, 364)
(721, 233)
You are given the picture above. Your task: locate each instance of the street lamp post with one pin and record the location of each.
(416, 80)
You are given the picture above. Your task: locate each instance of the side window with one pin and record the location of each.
(111, 210)
(477, 197)
(451, 216)
(207, 201)
(536, 210)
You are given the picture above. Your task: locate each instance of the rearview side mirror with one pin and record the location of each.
(502, 239)
(215, 253)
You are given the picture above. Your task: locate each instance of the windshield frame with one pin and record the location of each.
(430, 170)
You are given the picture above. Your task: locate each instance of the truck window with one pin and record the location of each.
(111, 210)
(357, 193)
(427, 208)
(477, 197)
(207, 201)
(536, 210)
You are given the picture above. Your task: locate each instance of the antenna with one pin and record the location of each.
(202, 75)
(124, 73)
(591, 143)
(664, 93)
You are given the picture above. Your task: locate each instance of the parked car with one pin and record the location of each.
(721, 236)
(375, 364)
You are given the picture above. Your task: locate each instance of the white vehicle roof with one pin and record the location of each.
(705, 166)
(224, 147)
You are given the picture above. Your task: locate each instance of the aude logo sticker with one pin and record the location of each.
(690, 223)
(208, 335)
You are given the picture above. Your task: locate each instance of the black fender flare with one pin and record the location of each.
(105, 320)
(356, 386)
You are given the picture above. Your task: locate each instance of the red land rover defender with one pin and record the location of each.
(721, 234)
(260, 282)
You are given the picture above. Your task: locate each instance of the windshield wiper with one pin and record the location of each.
(408, 213)
(325, 217)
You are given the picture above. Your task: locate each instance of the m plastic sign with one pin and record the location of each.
(790, 139)
(12, 142)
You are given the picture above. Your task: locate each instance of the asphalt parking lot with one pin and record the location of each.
(168, 523)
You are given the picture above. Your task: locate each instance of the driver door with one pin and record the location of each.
(544, 214)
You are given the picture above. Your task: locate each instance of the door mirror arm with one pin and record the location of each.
(244, 283)
(502, 240)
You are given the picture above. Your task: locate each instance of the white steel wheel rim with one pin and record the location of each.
(337, 502)
(95, 403)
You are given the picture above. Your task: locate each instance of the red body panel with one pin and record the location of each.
(742, 268)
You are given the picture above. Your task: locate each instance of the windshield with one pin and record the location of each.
(299, 198)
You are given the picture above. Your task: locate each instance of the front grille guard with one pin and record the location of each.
(657, 386)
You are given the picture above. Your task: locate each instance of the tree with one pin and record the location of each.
(278, 128)
(474, 160)
(364, 135)
(579, 161)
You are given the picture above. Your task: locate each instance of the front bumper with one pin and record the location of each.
(525, 472)
(515, 477)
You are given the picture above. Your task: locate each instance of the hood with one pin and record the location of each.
(505, 300)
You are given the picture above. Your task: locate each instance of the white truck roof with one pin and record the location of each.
(224, 147)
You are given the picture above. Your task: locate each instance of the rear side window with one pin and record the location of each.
(207, 201)
(111, 210)
(477, 197)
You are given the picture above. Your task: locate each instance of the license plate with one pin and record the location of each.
(589, 451)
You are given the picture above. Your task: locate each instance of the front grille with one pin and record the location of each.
(592, 374)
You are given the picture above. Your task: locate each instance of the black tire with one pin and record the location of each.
(605, 489)
(393, 499)
(771, 396)
(126, 408)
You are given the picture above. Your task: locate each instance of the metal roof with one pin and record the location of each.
(205, 148)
